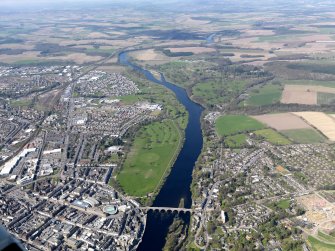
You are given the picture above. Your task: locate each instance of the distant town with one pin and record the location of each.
(167, 125)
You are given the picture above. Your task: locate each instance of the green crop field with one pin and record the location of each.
(153, 150)
(273, 137)
(268, 94)
(234, 124)
(318, 245)
(326, 98)
(236, 141)
(304, 136)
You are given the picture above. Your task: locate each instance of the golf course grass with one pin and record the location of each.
(152, 153)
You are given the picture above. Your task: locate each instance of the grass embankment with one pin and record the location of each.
(318, 245)
(304, 136)
(152, 153)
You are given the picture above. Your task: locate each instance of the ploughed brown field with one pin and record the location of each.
(299, 94)
(283, 121)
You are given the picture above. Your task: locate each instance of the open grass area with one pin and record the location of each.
(266, 95)
(273, 137)
(326, 237)
(212, 93)
(236, 141)
(151, 155)
(129, 99)
(318, 245)
(284, 204)
(304, 136)
(234, 124)
(21, 102)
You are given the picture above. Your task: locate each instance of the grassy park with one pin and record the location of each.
(152, 153)
(234, 124)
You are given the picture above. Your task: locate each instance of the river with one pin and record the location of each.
(177, 184)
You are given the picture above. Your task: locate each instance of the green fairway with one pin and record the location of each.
(304, 136)
(234, 124)
(152, 153)
(318, 245)
(236, 141)
(266, 95)
(273, 137)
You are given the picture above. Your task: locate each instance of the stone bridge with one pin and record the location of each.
(169, 209)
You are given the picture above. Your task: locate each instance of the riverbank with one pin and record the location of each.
(177, 184)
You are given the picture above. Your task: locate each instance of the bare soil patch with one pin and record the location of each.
(300, 94)
(294, 94)
(283, 121)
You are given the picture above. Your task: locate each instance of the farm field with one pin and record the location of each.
(309, 94)
(326, 98)
(273, 137)
(234, 124)
(266, 95)
(149, 55)
(304, 136)
(283, 121)
(195, 50)
(298, 94)
(321, 121)
(151, 154)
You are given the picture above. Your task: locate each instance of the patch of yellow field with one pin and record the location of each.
(17, 46)
(321, 121)
(148, 55)
(195, 50)
(9, 59)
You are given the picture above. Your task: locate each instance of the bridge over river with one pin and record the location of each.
(170, 209)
